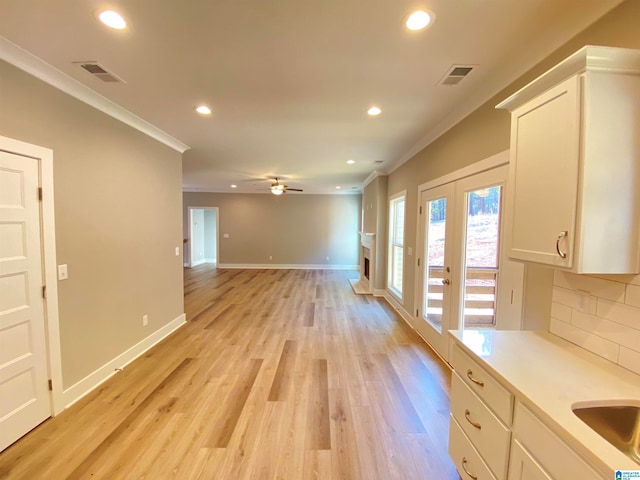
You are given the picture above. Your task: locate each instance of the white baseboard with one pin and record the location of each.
(406, 316)
(198, 262)
(74, 393)
(379, 292)
(186, 265)
(286, 266)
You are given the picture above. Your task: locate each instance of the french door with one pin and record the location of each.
(464, 281)
(435, 263)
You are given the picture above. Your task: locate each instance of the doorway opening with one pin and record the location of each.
(203, 235)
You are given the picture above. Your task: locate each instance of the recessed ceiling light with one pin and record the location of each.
(419, 20)
(234, 186)
(338, 187)
(373, 111)
(112, 19)
(203, 110)
(351, 162)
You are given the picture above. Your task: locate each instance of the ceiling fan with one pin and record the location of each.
(278, 188)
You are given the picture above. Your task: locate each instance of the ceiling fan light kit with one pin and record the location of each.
(278, 188)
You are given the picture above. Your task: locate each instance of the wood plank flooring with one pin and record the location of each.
(278, 374)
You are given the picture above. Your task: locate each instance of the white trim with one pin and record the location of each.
(379, 292)
(406, 316)
(102, 374)
(288, 266)
(186, 265)
(216, 210)
(396, 196)
(52, 320)
(33, 65)
(375, 174)
(201, 262)
(588, 58)
(489, 163)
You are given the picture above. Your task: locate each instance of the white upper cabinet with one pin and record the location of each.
(573, 197)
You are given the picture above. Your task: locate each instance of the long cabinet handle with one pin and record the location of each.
(473, 379)
(561, 235)
(464, 467)
(467, 415)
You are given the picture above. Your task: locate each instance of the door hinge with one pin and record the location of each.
(416, 312)
(44, 291)
(418, 262)
(420, 210)
(51, 385)
(40, 193)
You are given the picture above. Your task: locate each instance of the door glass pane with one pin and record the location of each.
(481, 257)
(434, 267)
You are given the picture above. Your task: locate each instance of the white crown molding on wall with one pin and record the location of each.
(375, 174)
(20, 58)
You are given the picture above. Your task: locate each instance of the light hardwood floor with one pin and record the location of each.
(278, 374)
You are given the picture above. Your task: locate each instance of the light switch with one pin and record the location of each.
(63, 273)
(177, 251)
(409, 251)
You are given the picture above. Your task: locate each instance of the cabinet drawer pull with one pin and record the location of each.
(474, 380)
(467, 414)
(464, 467)
(561, 235)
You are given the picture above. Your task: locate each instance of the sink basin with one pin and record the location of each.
(617, 424)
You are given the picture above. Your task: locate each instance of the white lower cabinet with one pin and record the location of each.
(551, 453)
(522, 466)
(487, 440)
(467, 459)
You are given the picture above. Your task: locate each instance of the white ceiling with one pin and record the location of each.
(289, 81)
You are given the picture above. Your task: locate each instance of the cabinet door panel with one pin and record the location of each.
(523, 467)
(544, 175)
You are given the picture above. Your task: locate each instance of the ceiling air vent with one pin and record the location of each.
(456, 74)
(98, 71)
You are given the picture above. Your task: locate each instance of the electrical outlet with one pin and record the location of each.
(270, 257)
(177, 251)
(327, 259)
(225, 235)
(583, 300)
(145, 320)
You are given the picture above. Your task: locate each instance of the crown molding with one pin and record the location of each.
(375, 174)
(20, 58)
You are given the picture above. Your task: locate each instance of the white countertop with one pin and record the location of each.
(550, 375)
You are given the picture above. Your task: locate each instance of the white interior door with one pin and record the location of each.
(24, 393)
(435, 265)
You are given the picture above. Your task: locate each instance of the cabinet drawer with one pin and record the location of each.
(466, 458)
(483, 384)
(556, 457)
(489, 435)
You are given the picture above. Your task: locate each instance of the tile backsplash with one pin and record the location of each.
(600, 313)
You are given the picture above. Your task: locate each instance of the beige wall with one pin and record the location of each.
(118, 220)
(293, 228)
(485, 132)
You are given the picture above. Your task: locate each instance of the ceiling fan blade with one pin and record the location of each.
(294, 190)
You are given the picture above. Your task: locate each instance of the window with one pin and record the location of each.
(396, 244)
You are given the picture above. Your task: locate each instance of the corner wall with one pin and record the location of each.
(118, 222)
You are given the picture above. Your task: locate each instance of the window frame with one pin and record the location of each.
(392, 243)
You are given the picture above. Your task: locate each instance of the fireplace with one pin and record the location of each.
(365, 284)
